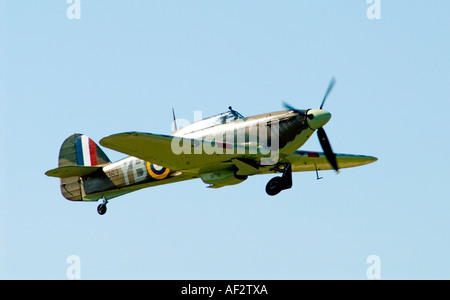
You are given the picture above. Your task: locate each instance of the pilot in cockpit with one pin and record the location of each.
(235, 114)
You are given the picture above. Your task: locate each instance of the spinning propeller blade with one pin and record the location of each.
(326, 146)
(330, 87)
(301, 112)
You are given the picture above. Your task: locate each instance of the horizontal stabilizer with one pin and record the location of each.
(71, 171)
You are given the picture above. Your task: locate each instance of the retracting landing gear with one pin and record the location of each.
(101, 209)
(279, 183)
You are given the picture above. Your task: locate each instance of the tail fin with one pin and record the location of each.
(79, 156)
(80, 150)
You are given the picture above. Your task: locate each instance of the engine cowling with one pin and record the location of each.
(222, 178)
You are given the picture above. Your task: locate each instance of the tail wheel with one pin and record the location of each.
(101, 209)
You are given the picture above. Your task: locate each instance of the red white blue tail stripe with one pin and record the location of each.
(86, 151)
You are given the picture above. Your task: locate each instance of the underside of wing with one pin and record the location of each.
(167, 151)
(311, 161)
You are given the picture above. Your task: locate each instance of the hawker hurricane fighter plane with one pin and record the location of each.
(221, 150)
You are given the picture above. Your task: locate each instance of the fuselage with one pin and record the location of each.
(256, 137)
(285, 129)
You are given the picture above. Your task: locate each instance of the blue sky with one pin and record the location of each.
(122, 67)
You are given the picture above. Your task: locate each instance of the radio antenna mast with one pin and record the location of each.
(174, 119)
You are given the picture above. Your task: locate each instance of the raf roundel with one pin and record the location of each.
(156, 171)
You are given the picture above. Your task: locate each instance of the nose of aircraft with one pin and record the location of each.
(317, 118)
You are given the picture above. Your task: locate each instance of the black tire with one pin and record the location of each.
(274, 186)
(101, 209)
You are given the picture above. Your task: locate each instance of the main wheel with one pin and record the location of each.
(274, 186)
(101, 209)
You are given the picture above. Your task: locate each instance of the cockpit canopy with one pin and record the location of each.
(219, 119)
(222, 118)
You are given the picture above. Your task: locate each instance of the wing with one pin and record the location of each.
(168, 151)
(301, 161)
(309, 161)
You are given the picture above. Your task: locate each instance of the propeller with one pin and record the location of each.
(323, 139)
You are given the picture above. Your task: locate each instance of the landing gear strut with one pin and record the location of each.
(279, 183)
(101, 209)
